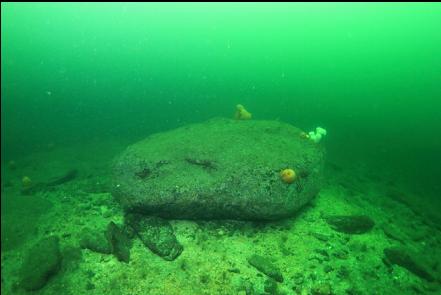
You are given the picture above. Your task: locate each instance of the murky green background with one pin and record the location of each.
(369, 73)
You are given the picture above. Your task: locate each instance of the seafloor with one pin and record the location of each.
(312, 257)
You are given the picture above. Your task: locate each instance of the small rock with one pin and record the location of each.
(350, 224)
(327, 268)
(264, 265)
(204, 279)
(298, 278)
(95, 241)
(243, 286)
(90, 286)
(340, 254)
(41, 263)
(322, 252)
(106, 213)
(156, 234)
(394, 233)
(89, 273)
(418, 234)
(322, 289)
(119, 242)
(343, 272)
(320, 236)
(270, 286)
(410, 261)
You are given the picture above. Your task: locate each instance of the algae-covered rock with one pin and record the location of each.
(266, 266)
(42, 261)
(220, 169)
(156, 234)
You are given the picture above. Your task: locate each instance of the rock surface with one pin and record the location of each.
(156, 234)
(41, 263)
(220, 169)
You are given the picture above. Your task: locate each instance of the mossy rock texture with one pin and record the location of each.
(220, 169)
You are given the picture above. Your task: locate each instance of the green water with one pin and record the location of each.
(79, 82)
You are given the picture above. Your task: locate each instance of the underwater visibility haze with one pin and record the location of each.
(221, 148)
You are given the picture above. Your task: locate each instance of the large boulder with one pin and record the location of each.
(220, 169)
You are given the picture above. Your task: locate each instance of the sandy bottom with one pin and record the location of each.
(313, 258)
